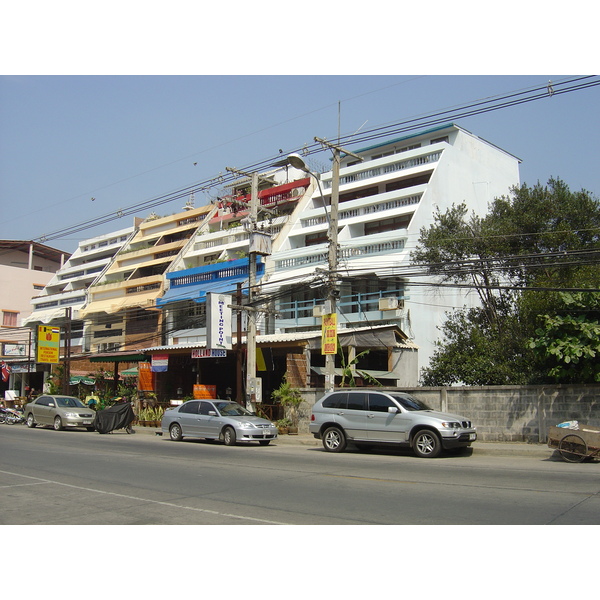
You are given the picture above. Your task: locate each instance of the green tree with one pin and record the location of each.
(531, 245)
(474, 351)
(570, 342)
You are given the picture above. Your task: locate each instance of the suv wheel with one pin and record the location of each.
(426, 444)
(334, 440)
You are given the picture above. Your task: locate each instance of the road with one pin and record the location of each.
(81, 478)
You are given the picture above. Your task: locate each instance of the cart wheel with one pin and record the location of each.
(572, 448)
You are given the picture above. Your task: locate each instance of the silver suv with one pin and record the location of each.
(368, 417)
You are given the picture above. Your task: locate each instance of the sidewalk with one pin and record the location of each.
(540, 451)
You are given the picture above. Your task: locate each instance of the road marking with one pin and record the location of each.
(40, 480)
(22, 484)
(370, 478)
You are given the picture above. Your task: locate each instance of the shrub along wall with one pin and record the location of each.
(506, 413)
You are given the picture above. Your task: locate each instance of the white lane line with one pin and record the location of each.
(2, 487)
(39, 480)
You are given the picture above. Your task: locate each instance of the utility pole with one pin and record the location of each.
(252, 312)
(251, 316)
(67, 353)
(333, 289)
(239, 352)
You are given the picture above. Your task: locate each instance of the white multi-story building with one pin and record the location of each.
(384, 306)
(69, 286)
(384, 201)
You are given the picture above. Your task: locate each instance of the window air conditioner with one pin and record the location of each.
(388, 303)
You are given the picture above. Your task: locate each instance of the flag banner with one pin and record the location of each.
(145, 378)
(160, 363)
(218, 321)
(5, 372)
(261, 365)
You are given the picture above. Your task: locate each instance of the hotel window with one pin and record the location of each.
(9, 318)
(387, 225)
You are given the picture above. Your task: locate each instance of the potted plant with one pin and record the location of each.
(143, 417)
(155, 415)
(290, 398)
(283, 425)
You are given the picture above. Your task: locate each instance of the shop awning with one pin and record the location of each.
(197, 292)
(115, 305)
(219, 278)
(133, 372)
(387, 336)
(118, 357)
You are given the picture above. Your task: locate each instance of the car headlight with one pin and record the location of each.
(451, 425)
(248, 425)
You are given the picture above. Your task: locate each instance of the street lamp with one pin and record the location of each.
(296, 161)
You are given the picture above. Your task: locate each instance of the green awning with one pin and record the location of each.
(113, 357)
(133, 372)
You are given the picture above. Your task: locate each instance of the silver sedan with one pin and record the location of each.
(217, 420)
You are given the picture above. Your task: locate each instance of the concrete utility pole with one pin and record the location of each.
(333, 290)
(251, 312)
(67, 353)
(251, 335)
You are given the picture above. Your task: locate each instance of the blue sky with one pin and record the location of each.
(118, 103)
(126, 139)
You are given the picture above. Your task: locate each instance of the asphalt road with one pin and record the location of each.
(80, 478)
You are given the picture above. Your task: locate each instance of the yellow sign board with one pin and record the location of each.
(329, 334)
(48, 346)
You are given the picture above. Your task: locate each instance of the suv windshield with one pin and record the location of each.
(232, 409)
(409, 402)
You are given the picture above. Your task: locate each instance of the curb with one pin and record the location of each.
(479, 448)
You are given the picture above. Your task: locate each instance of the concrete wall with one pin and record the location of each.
(504, 413)
(17, 287)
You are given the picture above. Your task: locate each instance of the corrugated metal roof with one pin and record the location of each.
(294, 336)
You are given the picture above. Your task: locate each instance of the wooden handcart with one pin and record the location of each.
(575, 445)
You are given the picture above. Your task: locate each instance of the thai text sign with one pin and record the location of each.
(218, 321)
(145, 377)
(205, 392)
(329, 334)
(48, 346)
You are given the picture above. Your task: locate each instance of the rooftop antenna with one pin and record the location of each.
(189, 205)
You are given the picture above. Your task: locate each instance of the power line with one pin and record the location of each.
(436, 118)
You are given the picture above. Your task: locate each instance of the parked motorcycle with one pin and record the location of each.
(11, 416)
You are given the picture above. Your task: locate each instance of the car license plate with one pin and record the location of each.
(87, 422)
(472, 437)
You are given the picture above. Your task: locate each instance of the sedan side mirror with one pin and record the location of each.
(51, 404)
(212, 413)
(392, 409)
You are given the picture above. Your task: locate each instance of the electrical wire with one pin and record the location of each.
(436, 118)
